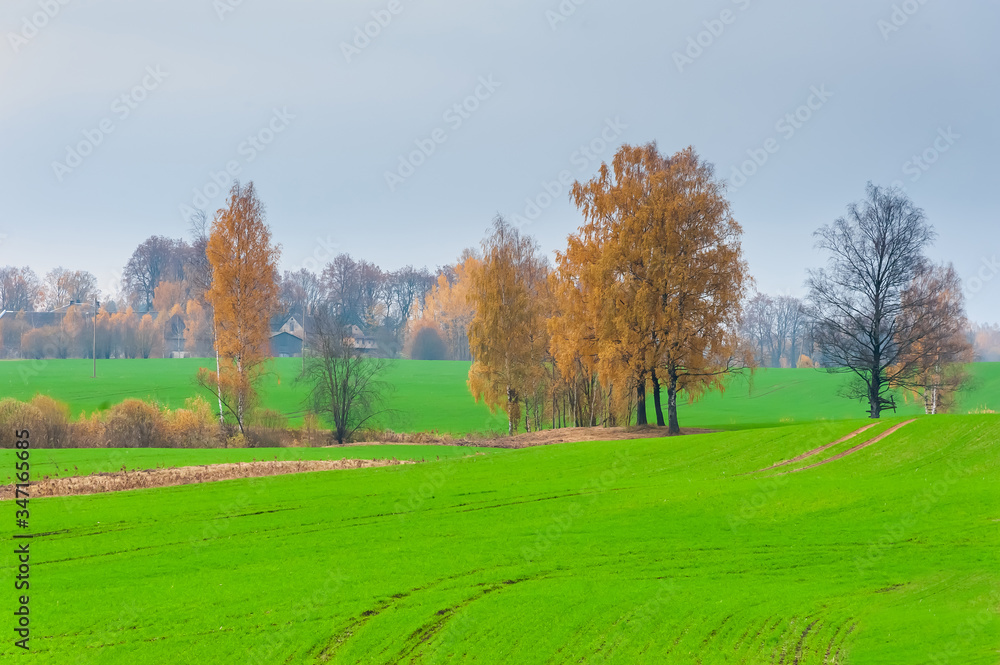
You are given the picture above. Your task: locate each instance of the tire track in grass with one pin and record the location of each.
(860, 446)
(833, 640)
(817, 451)
(423, 635)
(743, 638)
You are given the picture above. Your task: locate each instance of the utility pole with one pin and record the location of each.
(96, 305)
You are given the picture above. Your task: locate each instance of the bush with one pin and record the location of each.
(16, 416)
(193, 426)
(45, 419)
(88, 432)
(427, 344)
(135, 424)
(55, 416)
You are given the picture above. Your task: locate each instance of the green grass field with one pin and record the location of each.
(433, 395)
(642, 551)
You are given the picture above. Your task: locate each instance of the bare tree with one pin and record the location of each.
(861, 327)
(63, 287)
(759, 326)
(20, 289)
(341, 287)
(197, 268)
(345, 385)
(789, 317)
(156, 259)
(300, 290)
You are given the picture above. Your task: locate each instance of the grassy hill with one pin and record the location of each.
(433, 395)
(641, 551)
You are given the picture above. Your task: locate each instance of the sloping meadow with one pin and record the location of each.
(637, 551)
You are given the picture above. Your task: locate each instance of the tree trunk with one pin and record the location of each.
(874, 399)
(218, 377)
(640, 407)
(673, 424)
(656, 400)
(240, 398)
(510, 411)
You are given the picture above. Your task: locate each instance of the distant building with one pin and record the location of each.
(286, 345)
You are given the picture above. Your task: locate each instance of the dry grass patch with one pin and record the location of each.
(129, 480)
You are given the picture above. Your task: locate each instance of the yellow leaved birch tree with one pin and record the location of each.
(664, 273)
(507, 337)
(243, 295)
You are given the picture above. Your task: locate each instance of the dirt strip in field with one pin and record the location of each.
(546, 437)
(817, 451)
(888, 432)
(129, 480)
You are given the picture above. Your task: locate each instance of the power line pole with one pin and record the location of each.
(96, 305)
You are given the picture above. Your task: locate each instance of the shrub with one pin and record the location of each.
(15, 416)
(135, 424)
(193, 426)
(88, 431)
(55, 417)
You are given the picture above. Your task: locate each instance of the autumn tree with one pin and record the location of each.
(665, 275)
(933, 310)
(573, 332)
(243, 295)
(507, 334)
(447, 308)
(866, 325)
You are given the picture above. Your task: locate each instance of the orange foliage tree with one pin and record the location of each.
(447, 308)
(507, 336)
(659, 263)
(244, 296)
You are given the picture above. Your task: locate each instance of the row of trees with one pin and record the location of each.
(21, 289)
(649, 295)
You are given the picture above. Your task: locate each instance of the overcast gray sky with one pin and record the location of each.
(324, 119)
